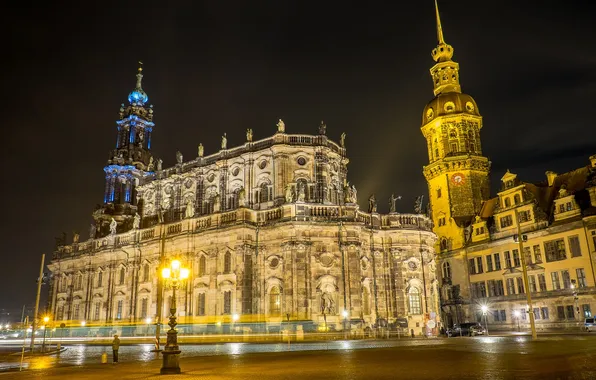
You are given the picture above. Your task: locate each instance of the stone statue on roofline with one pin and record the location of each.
(249, 135)
(281, 126)
(201, 150)
(113, 226)
(224, 141)
(179, 157)
(136, 221)
(372, 204)
(242, 198)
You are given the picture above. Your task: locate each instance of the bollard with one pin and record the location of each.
(104, 358)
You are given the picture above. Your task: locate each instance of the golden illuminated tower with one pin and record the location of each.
(457, 173)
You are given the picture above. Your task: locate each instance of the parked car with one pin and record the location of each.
(590, 324)
(466, 329)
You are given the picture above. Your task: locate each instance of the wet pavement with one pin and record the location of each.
(553, 357)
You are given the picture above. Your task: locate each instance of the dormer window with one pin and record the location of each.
(569, 206)
(516, 199)
(507, 202)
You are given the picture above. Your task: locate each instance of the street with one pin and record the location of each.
(551, 357)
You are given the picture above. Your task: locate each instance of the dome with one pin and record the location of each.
(138, 96)
(449, 103)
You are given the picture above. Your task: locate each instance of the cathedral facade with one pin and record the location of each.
(270, 230)
(531, 237)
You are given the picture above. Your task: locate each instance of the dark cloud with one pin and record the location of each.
(215, 67)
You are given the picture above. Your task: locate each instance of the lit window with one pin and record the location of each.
(414, 301)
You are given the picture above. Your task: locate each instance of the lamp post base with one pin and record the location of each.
(170, 363)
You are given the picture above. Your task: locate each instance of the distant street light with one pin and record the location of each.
(171, 353)
(484, 309)
(83, 323)
(45, 323)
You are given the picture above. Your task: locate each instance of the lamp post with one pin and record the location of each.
(522, 255)
(575, 298)
(45, 324)
(484, 309)
(171, 353)
(517, 316)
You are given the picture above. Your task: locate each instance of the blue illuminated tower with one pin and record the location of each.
(129, 163)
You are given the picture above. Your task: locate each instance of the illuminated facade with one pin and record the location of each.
(480, 262)
(271, 231)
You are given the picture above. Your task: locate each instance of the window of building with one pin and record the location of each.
(523, 314)
(122, 276)
(516, 199)
(520, 285)
(594, 239)
(510, 287)
(528, 255)
(555, 250)
(479, 268)
(555, 279)
(587, 311)
(202, 265)
(561, 208)
(544, 312)
(506, 221)
(507, 260)
(489, 263)
(119, 309)
(566, 279)
(532, 283)
(145, 272)
(99, 279)
(542, 282)
(201, 304)
(414, 301)
(507, 202)
(497, 257)
(442, 221)
(581, 278)
(478, 289)
(496, 315)
(495, 288)
(570, 312)
(536, 313)
(227, 262)
(537, 254)
(574, 246)
(472, 264)
(516, 260)
(524, 216)
(446, 270)
(439, 193)
(144, 303)
(561, 312)
(227, 306)
(569, 206)
(503, 316)
(275, 301)
(60, 313)
(97, 309)
(454, 147)
(79, 282)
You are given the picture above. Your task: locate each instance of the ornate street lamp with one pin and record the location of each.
(171, 353)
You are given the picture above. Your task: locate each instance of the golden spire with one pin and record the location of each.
(443, 52)
(439, 28)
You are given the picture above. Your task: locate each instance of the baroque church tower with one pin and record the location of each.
(457, 173)
(128, 163)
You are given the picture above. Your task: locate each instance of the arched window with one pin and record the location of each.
(99, 279)
(79, 282)
(516, 199)
(302, 185)
(145, 272)
(227, 306)
(274, 301)
(507, 202)
(443, 243)
(202, 266)
(227, 262)
(414, 301)
(446, 270)
(201, 304)
(264, 196)
(122, 275)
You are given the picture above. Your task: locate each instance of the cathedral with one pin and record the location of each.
(270, 231)
(526, 253)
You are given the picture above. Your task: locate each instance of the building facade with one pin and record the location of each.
(481, 260)
(271, 231)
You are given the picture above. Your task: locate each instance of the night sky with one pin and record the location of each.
(225, 66)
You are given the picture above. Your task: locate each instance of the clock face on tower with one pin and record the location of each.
(458, 179)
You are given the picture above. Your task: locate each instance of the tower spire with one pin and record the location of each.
(138, 96)
(439, 28)
(139, 75)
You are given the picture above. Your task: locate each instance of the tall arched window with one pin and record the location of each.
(507, 202)
(122, 275)
(227, 306)
(446, 270)
(414, 301)
(227, 262)
(264, 196)
(274, 301)
(201, 304)
(202, 266)
(145, 272)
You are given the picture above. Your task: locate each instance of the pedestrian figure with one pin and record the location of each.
(115, 348)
